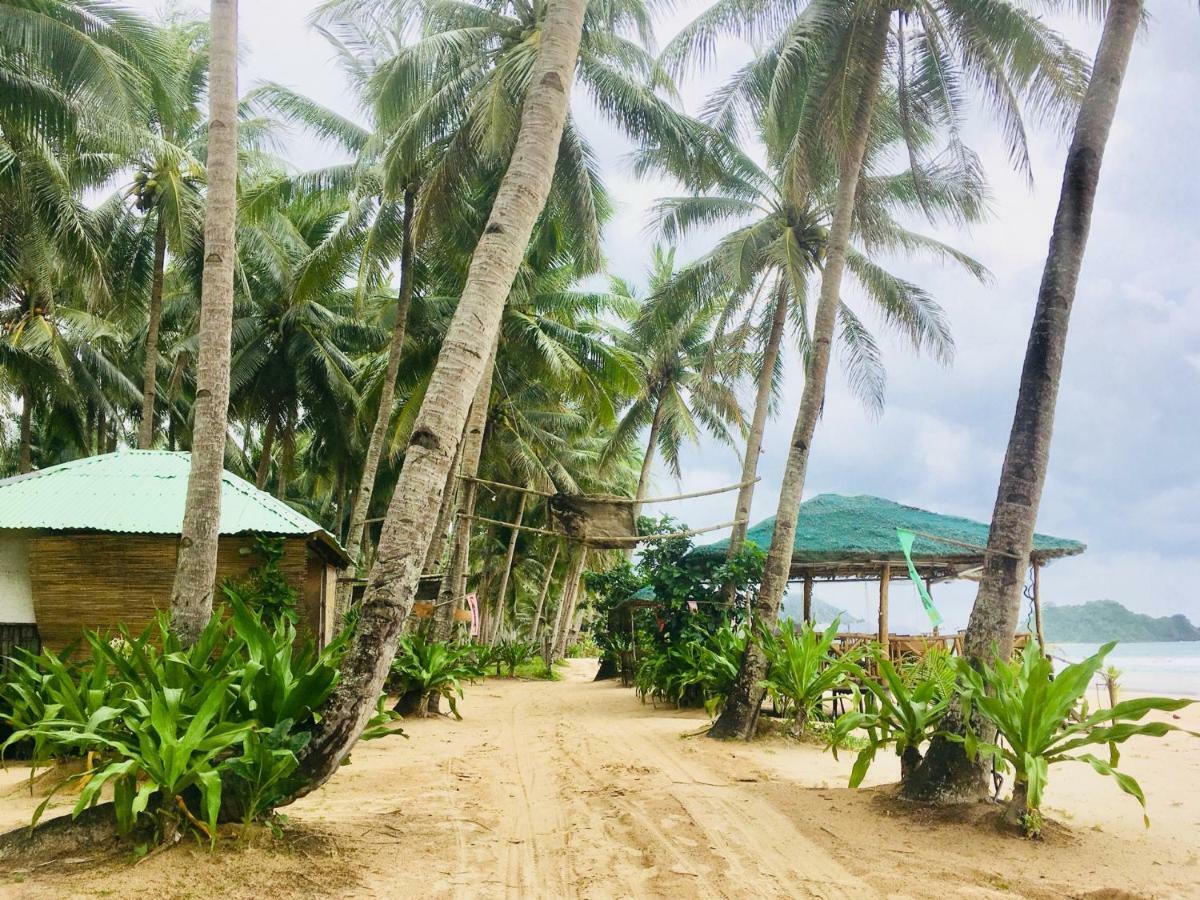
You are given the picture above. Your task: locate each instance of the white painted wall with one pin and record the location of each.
(16, 596)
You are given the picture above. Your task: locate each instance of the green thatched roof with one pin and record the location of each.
(837, 532)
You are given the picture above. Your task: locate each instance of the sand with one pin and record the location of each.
(575, 789)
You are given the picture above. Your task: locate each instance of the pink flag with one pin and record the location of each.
(473, 605)
(693, 606)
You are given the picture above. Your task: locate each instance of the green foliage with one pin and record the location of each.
(182, 735)
(673, 579)
(697, 672)
(1044, 719)
(480, 658)
(903, 710)
(423, 668)
(264, 587)
(514, 653)
(802, 668)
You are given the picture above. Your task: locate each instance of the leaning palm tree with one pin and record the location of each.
(946, 773)
(828, 67)
(196, 567)
(412, 513)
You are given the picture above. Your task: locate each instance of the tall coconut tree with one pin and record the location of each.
(196, 566)
(760, 271)
(166, 185)
(946, 773)
(687, 374)
(412, 513)
(294, 324)
(841, 53)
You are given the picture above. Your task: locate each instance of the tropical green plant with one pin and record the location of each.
(903, 708)
(424, 668)
(163, 723)
(695, 672)
(802, 668)
(514, 653)
(162, 740)
(264, 587)
(1043, 719)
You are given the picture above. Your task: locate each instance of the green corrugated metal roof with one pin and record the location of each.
(835, 528)
(142, 492)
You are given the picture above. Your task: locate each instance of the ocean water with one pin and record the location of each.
(1169, 669)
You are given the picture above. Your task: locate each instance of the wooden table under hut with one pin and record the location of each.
(856, 539)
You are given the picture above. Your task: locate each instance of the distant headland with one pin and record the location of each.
(1107, 620)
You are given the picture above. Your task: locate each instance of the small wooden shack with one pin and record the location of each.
(92, 544)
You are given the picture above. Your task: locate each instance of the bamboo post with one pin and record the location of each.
(808, 592)
(1037, 606)
(885, 577)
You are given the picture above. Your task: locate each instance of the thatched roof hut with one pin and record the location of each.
(842, 537)
(92, 543)
(854, 538)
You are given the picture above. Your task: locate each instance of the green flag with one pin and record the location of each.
(906, 542)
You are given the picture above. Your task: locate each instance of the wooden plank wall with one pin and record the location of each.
(99, 580)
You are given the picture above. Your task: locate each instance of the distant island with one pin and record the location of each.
(824, 613)
(1107, 620)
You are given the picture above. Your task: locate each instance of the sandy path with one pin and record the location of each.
(567, 799)
(576, 790)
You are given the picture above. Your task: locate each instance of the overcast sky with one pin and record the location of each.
(1124, 474)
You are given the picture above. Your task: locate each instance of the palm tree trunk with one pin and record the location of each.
(647, 465)
(508, 564)
(101, 427)
(740, 716)
(196, 567)
(537, 613)
(361, 504)
(153, 317)
(945, 773)
(287, 457)
(412, 512)
(437, 546)
(648, 457)
(567, 605)
(758, 424)
(264, 458)
(89, 429)
(25, 453)
(454, 580)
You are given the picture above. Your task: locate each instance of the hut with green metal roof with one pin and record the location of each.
(92, 544)
(855, 538)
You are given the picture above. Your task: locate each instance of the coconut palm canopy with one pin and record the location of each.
(838, 535)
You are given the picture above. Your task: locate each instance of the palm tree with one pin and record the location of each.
(764, 266)
(559, 378)
(413, 510)
(166, 185)
(946, 773)
(385, 185)
(196, 567)
(686, 374)
(837, 53)
(294, 326)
